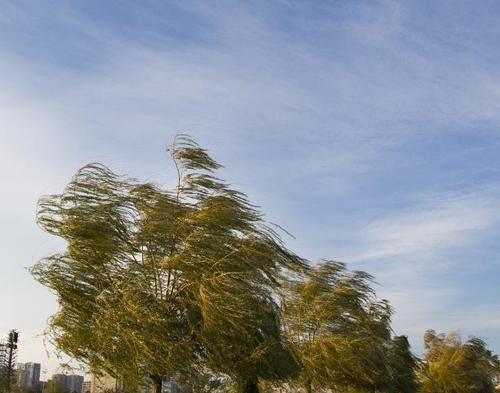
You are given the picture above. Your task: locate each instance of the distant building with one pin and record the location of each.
(3, 356)
(28, 374)
(105, 383)
(72, 383)
(86, 386)
(170, 386)
(20, 378)
(60, 379)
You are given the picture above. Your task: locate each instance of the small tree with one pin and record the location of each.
(338, 331)
(451, 366)
(55, 387)
(157, 281)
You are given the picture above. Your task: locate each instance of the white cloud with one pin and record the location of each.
(421, 309)
(433, 224)
(414, 250)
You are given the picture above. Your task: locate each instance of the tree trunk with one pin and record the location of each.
(248, 386)
(156, 386)
(308, 386)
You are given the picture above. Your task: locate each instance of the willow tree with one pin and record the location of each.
(403, 366)
(156, 281)
(338, 330)
(453, 366)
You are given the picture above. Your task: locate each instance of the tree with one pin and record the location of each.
(157, 281)
(338, 330)
(203, 381)
(8, 355)
(403, 366)
(451, 366)
(55, 387)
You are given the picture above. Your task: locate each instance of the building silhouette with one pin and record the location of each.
(86, 387)
(72, 383)
(105, 383)
(28, 374)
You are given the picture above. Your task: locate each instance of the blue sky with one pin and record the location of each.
(368, 129)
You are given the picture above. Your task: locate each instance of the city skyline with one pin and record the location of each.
(28, 376)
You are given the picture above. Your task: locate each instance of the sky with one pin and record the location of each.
(370, 130)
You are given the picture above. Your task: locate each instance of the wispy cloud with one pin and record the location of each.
(417, 250)
(429, 225)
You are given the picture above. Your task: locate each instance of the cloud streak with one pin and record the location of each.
(430, 225)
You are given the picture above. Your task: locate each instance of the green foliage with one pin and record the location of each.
(14, 388)
(3, 382)
(338, 329)
(55, 387)
(451, 366)
(403, 366)
(203, 381)
(155, 281)
(32, 389)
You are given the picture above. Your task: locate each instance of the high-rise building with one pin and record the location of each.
(28, 374)
(75, 383)
(105, 383)
(20, 377)
(86, 386)
(59, 378)
(72, 383)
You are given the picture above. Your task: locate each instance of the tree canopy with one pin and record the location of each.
(192, 281)
(403, 366)
(338, 330)
(157, 280)
(453, 366)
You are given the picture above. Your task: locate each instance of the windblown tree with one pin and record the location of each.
(338, 330)
(203, 381)
(451, 366)
(157, 281)
(403, 366)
